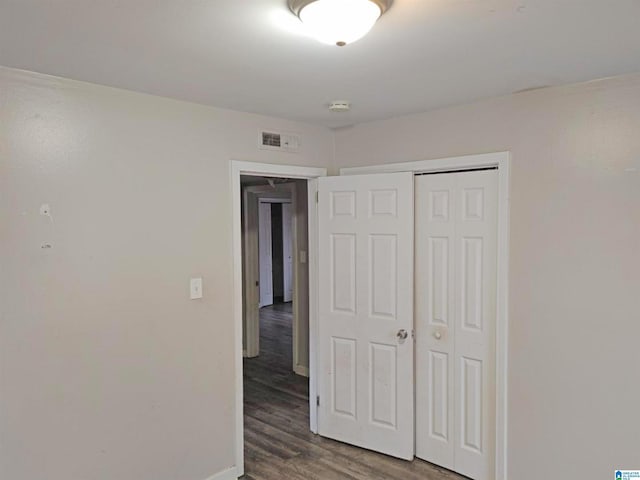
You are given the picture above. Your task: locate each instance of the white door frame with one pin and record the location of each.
(237, 169)
(265, 256)
(253, 195)
(261, 199)
(502, 161)
(289, 241)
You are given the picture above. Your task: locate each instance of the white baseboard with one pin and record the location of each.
(244, 353)
(228, 474)
(300, 370)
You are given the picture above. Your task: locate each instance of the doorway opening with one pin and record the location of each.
(275, 284)
(246, 296)
(275, 289)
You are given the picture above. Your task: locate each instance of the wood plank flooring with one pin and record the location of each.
(278, 443)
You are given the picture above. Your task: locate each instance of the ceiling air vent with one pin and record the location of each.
(279, 141)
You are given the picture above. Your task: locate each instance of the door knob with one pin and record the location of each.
(402, 334)
(437, 335)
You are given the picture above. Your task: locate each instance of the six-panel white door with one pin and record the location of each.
(265, 254)
(366, 312)
(455, 281)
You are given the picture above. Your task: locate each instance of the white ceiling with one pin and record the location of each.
(250, 55)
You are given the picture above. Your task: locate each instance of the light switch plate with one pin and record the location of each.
(195, 288)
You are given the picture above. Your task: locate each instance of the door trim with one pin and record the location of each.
(501, 160)
(238, 168)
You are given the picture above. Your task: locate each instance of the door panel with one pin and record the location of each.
(471, 399)
(438, 385)
(265, 254)
(435, 304)
(383, 288)
(476, 240)
(365, 298)
(343, 389)
(384, 384)
(456, 225)
(438, 251)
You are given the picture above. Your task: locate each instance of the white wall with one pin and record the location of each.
(575, 261)
(107, 370)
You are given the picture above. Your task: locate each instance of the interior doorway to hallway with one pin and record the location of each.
(245, 300)
(276, 312)
(275, 263)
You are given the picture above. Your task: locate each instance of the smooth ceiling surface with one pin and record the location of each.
(251, 56)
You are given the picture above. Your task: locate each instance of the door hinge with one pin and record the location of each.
(318, 400)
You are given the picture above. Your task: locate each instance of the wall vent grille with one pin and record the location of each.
(271, 139)
(282, 142)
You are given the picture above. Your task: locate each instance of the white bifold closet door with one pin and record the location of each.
(365, 364)
(456, 238)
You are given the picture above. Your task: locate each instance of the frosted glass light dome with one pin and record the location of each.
(340, 22)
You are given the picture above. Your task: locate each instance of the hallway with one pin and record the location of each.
(278, 443)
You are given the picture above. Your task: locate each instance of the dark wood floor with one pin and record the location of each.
(278, 443)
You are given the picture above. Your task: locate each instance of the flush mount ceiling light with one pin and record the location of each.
(339, 22)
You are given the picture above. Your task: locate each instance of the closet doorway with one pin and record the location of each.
(455, 320)
(461, 315)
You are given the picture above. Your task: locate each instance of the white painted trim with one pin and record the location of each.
(301, 370)
(502, 320)
(312, 195)
(281, 192)
(238, 168)
(250, 274)
(295, 300)
(274, 200)
(274, 170)
(439, 165)
(502, 160)
(228, 474)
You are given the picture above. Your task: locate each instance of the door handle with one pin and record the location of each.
(402, 334)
